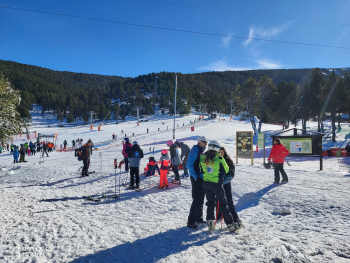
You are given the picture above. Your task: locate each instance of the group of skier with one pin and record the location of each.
(29, 149)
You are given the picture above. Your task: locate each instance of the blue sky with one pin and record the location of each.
(89, 46)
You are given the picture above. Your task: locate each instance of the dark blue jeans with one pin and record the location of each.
(126, 163)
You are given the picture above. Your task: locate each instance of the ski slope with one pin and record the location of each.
(45, 217)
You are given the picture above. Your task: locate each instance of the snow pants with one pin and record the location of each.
(44, 151)
(231, 206)
(176, 172)
(126, 163)
(196, 210)
(21, 158)
(15, 159)
(215, 193)
(163, 180)
(279, 168)
(86, 167)
(134, 171)
(184, 165)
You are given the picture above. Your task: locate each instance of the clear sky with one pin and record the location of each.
(132, 43)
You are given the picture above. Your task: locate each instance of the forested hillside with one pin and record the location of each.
(272, 95)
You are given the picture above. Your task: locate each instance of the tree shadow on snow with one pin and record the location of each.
(152, 248)
(252, 199)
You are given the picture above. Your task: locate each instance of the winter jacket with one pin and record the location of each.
(231, 173)
(278, 153)
(174, 155)
(126, 149)
(45, 147)
(15, 154)
(164, 162)
(185, 151)
(151, 168)
(193, 162)
(22, 150)
(135, 154)
(85, 151)
(214, 172)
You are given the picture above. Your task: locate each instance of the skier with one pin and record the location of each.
(15, 155)
(196, 176)
(85, 153)
(151, 167)
(214, 167)
(227, 187)
(73, 143)
(65, 144)
(164, 168)
(32, 149)
(175, 160)
(126, 149)
(113, 137)
(185, 151)
(278, 153)
(135, 154)
(22, 152)
(45, 148)
(11, 147)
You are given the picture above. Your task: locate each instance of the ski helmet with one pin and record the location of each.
(169, 143)
(126, 139)
(164, 152)
(201, 139)
(135, 142)
(214, 146)
(267, 165)
(151, 159)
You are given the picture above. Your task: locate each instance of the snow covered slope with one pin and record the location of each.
(45, 216)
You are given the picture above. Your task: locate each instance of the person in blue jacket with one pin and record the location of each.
(15, 154)
(198, 194)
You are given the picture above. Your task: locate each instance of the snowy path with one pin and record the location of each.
(46, 219)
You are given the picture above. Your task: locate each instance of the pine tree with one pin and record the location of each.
(10, 121)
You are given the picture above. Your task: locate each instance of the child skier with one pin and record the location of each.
(134, 156)
(151, 167)
(15, 155)
(164, 168)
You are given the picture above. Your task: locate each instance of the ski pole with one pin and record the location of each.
(119, 180)
(115, 184)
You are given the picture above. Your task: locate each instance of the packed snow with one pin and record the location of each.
(45, 216)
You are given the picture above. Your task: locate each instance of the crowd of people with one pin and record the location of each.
(29, 149)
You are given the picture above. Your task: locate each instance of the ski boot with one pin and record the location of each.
(211, 226)
(160, 186)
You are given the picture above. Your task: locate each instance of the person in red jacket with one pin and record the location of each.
(278, 153)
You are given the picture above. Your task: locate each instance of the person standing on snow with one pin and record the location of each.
(22, 152)
(126, 149)
(164, 162)
(227, 186)
(185, 151)
(196, 176)
(45, 148)
(85, 153)
(135, 155)
(15, 155)
(277, 154)
(175, 160)
(214, 167)
(65, 144)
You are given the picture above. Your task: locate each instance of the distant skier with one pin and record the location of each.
(164, 168)
(126, 149)
(22, 152)
(135, 155)
(73, 143)
(65, 144)
(32, 148)
(185, 151)
(45, 148)
(175, 160)
(15, 155)
(277, 154)
(113, 137)
(85, 153)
